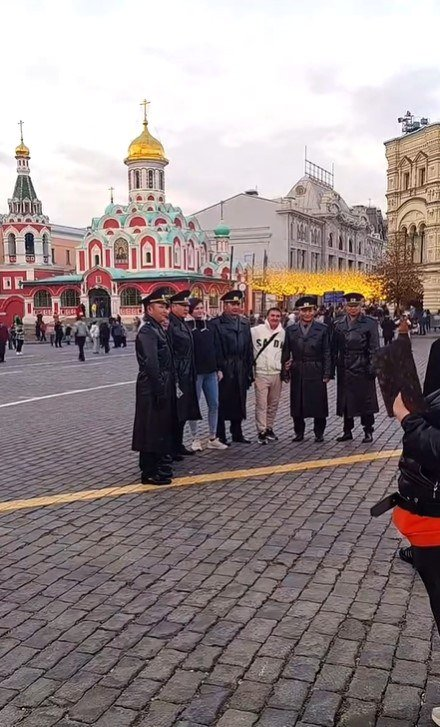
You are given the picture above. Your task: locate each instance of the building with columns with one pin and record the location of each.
(311, 228)
(413, 194)
(131, 248)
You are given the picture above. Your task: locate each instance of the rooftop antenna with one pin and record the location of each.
(411, 123)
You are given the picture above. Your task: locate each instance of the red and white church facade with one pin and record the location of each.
(124, 254)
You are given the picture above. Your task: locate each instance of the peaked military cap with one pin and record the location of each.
(307, 301)
(232, 296)
(181, 297)
(158, 295)
(356, 298)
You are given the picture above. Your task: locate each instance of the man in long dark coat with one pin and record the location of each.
(182, 347)
(155, 393)
(355, 341)
(236, 365)
(307, 356)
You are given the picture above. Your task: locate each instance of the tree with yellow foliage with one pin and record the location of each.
(284, 283)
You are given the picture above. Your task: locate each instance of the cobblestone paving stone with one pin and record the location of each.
(266, 601)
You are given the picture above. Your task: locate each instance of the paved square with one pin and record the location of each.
(269, 599)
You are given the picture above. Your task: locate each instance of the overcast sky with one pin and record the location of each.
(237, 89)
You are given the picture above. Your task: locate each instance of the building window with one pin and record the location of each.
(121, 251)
(360, 247)
(350, 245)
(130, 298)
(177, 255)
(161, 180)
(46, 247)
(341, 243)
(331, 262)
(137, 179)
(340, 263)
(69, 298)
(29, 243)
(422, 176)
(147, 254)
(12, 248)
(191, 256)
(406, 180)
(53, 254)
(67, 257)
(42, 299)
(330, 239)
(213, 299)
(150, 179)
(350, 264)
(7, 283)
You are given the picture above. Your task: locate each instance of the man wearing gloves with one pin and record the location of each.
(267, 340)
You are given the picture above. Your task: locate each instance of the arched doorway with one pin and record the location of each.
(14, 307)
(100, 298)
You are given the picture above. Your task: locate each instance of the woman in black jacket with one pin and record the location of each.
(417, 515)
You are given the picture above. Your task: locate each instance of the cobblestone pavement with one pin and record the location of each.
(262, 601)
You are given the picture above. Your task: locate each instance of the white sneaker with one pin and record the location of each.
(196, 446)
(216, 444)
(436, 715)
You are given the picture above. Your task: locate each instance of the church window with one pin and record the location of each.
(360, 247)
(53, 255)
(67, 257)
(330, 239)
(130, 297)
(45, 246)
(137, 179)
(177, 255)
(121, 251)
(350, 245)
(161, 181)
(97, 260)
(203, 254)
(29, 243)
(42, 299)
(341, 243)
(213, 299)
(150, 179)
(69, 298)
(12, 248)
(147, 254)
(191, 256)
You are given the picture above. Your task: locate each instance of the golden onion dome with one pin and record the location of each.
(22, 150)
(145, 146)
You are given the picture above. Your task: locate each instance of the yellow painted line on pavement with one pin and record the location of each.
(97, 494)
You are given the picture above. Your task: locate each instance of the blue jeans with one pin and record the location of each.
(209, 384)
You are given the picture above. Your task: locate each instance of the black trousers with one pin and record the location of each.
(427, 563)
(2, 350)
(151, 463)
(178, 436)
(235, 429)
(81, 341)
(367, 421)
(19, 345)
(58, 339)
(319, 423)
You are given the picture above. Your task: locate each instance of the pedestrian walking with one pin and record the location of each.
(50, 331)
(95, 335)
(81, 334)
(388, 327)
(156, 410)
(116, 331)
(68, 333)
(4, 338)
(182, 348)
(43, 338)
(207, 358)
(355, 341)
(58, 327)
(104, 336)
(307, 359)
(12, 343)
(236, 365)
(19, 335)
(267, 340)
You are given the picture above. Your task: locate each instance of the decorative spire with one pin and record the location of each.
(21, 151)
(111, 190)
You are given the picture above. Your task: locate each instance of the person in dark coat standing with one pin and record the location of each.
(432, 376)
(155, 393)
(4, 338)
(388, 327)
(355, 341)
(104, 336)
(182, 347)
(234, 334)
(307, 357)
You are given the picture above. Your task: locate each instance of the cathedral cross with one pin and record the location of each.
(20, 123)
(145, 103)
(111, 190)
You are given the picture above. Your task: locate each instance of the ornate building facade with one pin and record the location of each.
(30, 248)
(413, 194)
(133, 247)
(311, 228)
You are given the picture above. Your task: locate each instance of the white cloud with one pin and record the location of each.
(237, 90)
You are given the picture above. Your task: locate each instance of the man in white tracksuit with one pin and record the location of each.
(267, 339)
